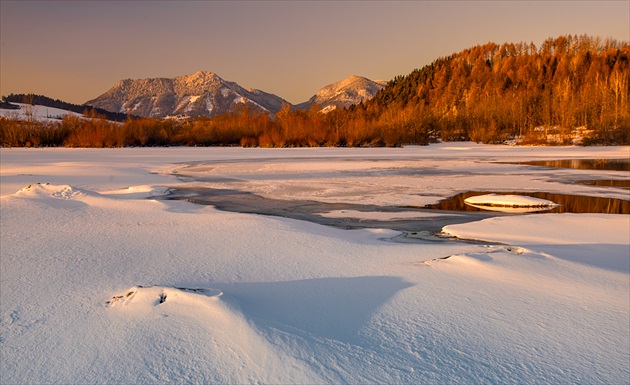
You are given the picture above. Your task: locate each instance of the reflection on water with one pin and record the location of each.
(569, 203)
(585, 164)
(619, 183)
(512, 209)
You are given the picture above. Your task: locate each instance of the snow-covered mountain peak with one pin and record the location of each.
(201, 77)
(202, 93)
(344, 93)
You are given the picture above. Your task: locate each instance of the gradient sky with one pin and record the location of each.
(77, 50)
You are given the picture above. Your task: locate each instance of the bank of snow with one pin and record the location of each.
(595, 239)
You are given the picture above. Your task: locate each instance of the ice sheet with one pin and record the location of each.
(301, 302)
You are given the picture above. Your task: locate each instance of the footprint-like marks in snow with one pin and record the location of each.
(159, 295)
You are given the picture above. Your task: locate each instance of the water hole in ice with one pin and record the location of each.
(568, 203)
(583, 164)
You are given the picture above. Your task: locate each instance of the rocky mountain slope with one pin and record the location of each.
(352, 90)
(206, 94)
(200, 94)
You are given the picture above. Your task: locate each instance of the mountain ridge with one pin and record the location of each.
(205, 93)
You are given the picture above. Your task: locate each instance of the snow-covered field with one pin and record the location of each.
(102, 281)
(36, 112)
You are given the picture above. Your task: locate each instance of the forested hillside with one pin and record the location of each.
(495, 92)
(573, 89)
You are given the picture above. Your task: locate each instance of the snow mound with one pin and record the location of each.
(137, 192)
(600, 240)
(47, 190)
(156, 295)
(512, 203)
(199, 337)
(476, 258)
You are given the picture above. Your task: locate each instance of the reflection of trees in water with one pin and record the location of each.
(584, 164)
(619, 183)
(569, 203)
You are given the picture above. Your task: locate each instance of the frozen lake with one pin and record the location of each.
(103, 279)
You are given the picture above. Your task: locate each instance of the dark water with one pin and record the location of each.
(245, 202)
(569, 203)
(585, 164)
(617, 183)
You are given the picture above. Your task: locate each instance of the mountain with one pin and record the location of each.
(200, 94)
(344, 93)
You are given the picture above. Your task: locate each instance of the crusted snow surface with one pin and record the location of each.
(103, 281)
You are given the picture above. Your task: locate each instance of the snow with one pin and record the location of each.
(509, 203)
(584, 238)
(209, 104)
(188, 102)
(222, 297)
(36, 112)
(508, 200)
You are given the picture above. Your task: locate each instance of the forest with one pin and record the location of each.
(570, 90)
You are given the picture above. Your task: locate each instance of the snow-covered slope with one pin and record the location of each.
(36, 112)
(200, 94)
(344, 93)
(103, 282)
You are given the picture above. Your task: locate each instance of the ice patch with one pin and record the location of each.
(379, 215)
(509, 203)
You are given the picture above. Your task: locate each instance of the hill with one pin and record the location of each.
(494, 92)
(45, 101)
(344, 93)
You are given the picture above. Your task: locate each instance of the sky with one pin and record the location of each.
(77, 50)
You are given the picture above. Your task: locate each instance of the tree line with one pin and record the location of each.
(245, 127)
(491, 93)
(572, 86)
